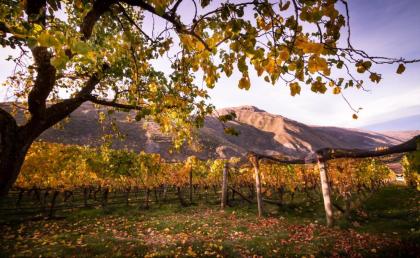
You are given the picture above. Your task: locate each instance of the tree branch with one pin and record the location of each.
(44, 82)
(411, 145)
(172, 18)
(3, 28)
(57, 112)
(104, 102)
(99, 7)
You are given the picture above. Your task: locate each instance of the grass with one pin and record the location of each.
(388, 226)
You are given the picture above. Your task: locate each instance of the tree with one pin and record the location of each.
(101, 51)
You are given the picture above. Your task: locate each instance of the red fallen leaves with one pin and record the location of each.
(201, 226)
(301, 233)
(337, 241)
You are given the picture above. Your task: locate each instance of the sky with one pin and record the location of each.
(381, 27)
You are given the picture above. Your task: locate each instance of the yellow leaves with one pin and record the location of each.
(244, 83)
(336, 90)
(37, 28)
(190, 252)
(300, 74)
(273, 63)
(284, 55)
(308, 46)
(271, 66)
(259, 68)
(210, 80)
(190, 43)
(400, 69)
(294, 88)
(153, 87)
(318, 64)
(292, 66)
(261, 24)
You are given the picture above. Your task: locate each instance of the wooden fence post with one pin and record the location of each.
(105, 197)
(224, 186)
(53, 200)
(255, 163)
(326, 191)
(191, 185)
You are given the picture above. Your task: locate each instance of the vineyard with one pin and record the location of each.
(57, 177)
(75, 199)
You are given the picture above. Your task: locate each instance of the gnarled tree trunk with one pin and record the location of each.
(13, 149)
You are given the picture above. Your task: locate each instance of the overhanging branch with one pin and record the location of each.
(104, 102)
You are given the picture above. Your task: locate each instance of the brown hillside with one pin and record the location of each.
(259, 131)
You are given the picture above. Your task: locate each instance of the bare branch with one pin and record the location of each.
(127, 16)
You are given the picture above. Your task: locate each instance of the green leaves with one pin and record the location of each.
(285, 6)
(318, 87)
(228, 117)
(204, 3)
(80, 47)
(60, 60)
(46, 39)
(242, 66)
(231, 131)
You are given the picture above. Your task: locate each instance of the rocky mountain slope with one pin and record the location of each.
(260, 131)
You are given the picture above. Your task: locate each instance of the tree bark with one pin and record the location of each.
(12, 151)
(15, 140)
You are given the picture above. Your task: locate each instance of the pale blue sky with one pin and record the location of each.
(381, 27)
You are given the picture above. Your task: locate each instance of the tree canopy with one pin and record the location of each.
(105, 51)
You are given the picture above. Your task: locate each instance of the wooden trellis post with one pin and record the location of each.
(325, 187)
(191, 184)
(224, 186)
(255, 163)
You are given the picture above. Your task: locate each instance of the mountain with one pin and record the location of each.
(278, 135)
(260, 131)
(403, 123)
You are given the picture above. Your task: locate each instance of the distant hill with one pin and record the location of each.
(405, 123)
(260, 131)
